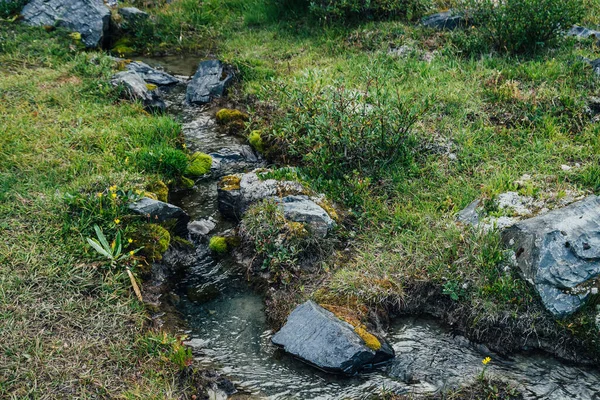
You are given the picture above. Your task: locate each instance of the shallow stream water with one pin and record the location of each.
(229, 332)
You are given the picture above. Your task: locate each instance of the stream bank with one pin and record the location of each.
(229, 331)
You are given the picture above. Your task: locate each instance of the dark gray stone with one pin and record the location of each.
(201, 228)
(470, 215)
(228, 161)
(448, 20)
(136, 89)
(559, 254)
(210, 81)
(91, 18)
(132, 15)
(581, 32)
(158, 211)
(318, 337)
(302, 209)
(151, 75)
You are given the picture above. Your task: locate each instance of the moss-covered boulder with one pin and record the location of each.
(255, 140)
(160, 189)
(227, 115)
(154, 241)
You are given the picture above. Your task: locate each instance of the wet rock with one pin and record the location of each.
(448, 20)
(233, 160)
(237, 192)
(302, 209)
(596, 66)
(151, 75)
(559, 254)
(137, 89)
(470, 215)
(321, 339)
(158, 211)
(91, 18)
(201, 228)
(132, 15)
(210, 81)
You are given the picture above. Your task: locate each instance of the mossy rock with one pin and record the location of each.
(226, 116)
(255, 140)
(200, 164)
(154, 240)
(160, 189)
(186, 183)
(123, 47)
(218, 244)
(230, 182)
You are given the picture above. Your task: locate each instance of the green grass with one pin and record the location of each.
(70, 327)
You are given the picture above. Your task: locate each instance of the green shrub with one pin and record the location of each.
(343, 10)
(335, 130)
(218, 244)
(200, 164)
(522, 25)
(11, 7)
(162, 159)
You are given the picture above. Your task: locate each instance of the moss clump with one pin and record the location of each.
(230, 182)
(326, 205)
(151, 86)
(123, 47)
(255, 140)
(159, 188)
(226, 116)
(154, 239)
(186, 183)
(370, 340)
(200, 164)
(218, 244)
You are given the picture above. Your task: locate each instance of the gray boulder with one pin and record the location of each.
(448, 20)
(158, 211)
(234, 200)
(584, 33)
(559, 254)
(91, 18)
(302, 209)
(136, 89)
(151, 75)
(200, 228)
(233, 160)
(210, 81)
(132, 15)
(318, 337)
(470, 214)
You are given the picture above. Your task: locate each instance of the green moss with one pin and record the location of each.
(154, 240)
(200, 164)
(226, 115)
(255, 140)
(218, 244)
(151, 86)
(159, 188)
(186, 183)
(123, 47)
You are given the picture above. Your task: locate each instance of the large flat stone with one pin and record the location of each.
(158, 211)
(210, 81)
(91, 18)
(318, 337)
(559, 254)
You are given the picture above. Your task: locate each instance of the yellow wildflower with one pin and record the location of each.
(131, 253)
(126, 160)
(129, 241)
(113, 188)
(114, 195)
(117, 221)
(486, 360)
(99, 194)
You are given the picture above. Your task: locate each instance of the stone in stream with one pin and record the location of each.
(321, 339)
(151, 75)
(158, 211)
(91, 18)
(200, 228)
(233, 160)
(210, 81)
(559, 254)
(137, 89)
(447, 20)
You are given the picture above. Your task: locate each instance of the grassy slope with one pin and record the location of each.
(69, 327)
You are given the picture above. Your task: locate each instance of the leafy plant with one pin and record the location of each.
(522, 25)
(114, 253)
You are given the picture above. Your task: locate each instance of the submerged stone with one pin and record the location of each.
(559, 254)
(91, 18)
(319, 338)
(210, 81)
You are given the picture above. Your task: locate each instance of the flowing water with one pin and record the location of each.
(229, 332)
